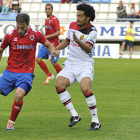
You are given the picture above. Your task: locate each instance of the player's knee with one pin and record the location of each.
(18, 97)
(38, 60)
(0, 91)
(58, 85)
(85, 89)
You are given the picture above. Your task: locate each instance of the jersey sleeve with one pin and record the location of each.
(92, 37)
(68, 33)
(41, 37)
(5, 42)
(56, 24)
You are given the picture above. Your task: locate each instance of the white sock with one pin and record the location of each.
(91, 102)
(66, 100)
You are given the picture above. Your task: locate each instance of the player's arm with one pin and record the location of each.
(132, 34)
(19, 4)
(129, 33)
(1, 51)
(57, 33)
(63, 44)
(87, 47)
(51, 48)
(4, 44)
(11, 2)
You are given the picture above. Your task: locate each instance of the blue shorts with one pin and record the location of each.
(44, 54)
(10, 80)
(130, 43)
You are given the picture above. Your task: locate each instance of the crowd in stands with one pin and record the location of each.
(73, 1)
(132, 12)
(123, 13)
(9, 5)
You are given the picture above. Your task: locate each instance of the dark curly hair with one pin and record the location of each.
(88, 10)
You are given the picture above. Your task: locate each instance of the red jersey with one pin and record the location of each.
(51, 26)
(22, 50)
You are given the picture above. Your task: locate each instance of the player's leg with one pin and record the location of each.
(85, 78)
(85, 85)
(57, 67)
(44, 54)
(60, 85)
(122, 47)
(131, 48)
(55, 63)
(43, 66)
(23, 86)
(6, 82)
(21, 90)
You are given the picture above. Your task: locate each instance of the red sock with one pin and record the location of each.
(15, 110)
(44, 68)
(58, 68)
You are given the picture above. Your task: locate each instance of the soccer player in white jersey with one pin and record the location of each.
(81, 38)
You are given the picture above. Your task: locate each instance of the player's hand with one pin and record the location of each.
(75, 38)
(46, 36)
(56, 52)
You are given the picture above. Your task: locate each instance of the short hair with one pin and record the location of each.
(131, 21)
(88, 10)
(23, 18)
(48, 4)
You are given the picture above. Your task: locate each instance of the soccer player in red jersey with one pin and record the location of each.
(52, 31)
(21, 62)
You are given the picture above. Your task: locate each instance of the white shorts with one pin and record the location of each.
(74, 73)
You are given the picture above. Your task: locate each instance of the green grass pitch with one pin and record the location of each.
(116, 86)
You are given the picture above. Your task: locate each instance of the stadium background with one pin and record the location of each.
(115, 85)
(110, 32)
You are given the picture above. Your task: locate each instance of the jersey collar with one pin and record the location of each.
(86, 27)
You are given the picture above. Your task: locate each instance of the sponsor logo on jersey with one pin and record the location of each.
(25, 47)
(48, 27)
(15, 39)
(74, 44)
(93, 37)
(81, 37)
(32, 37)
(49, 21)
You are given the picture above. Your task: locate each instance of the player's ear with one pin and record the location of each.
(88, 18)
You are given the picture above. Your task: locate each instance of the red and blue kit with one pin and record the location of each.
(22, 50)
(51, 26)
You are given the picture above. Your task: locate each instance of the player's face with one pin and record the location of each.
(82, 20)
(22, 28)
(48, 10)
(121, 3)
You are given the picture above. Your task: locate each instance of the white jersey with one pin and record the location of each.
(76, 54)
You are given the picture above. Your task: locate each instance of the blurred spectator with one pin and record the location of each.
(76, 1)
(5, 6)
(15, 5)
(121, 11)
(129, 39)
(0, 5)
(63, 1)
(139, 14)
(133, 11)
